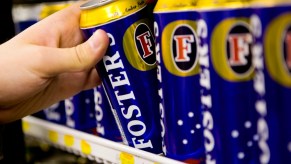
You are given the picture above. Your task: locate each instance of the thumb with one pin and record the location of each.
(75, 59)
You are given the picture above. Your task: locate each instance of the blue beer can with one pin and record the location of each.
(54, 113)
(271, 24)
(25, 15)
(80, 112)
(226, 79)
(106, 125)
(128, 69)
(178, 74)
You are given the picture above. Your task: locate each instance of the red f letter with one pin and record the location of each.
(183, 47)
(239, 48)
(146, 44)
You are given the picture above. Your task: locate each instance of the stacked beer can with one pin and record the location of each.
(199, 81)
(244, 74)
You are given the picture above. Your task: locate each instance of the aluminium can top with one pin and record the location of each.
(97, 12)
(223, 3)
(270, 3)
(241, 3)
(176, 5)
(51, 8)
(170, 5)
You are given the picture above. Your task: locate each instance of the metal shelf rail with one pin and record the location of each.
(87, 145)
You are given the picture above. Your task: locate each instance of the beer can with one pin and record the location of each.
(80, 112)
(175, 29)
(106, 125)
(51, 7)
(271, 26)
(25, 15)
(226, 79)
(128, 69)
(54, 113)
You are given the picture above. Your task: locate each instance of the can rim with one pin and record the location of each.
(107, 12)
(94, 3)
(105, 23)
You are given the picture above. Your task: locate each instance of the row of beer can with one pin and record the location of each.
(88, 111)
(212, 78)
(27, 12)
(200, 81)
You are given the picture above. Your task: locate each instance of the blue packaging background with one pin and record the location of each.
(22, 25)
(54, 113)
(111, 130)
(84, 111)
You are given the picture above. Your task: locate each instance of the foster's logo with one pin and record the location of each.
(179, 48)
(145, 43)
(287, 47)
(231, 54)
(142, 57)
(278, 56)
(238, 47)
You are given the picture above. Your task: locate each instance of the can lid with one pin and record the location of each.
(49, 9)
(222, 3)
(97, 12)
(209, 3)
(270, 2)
(94, 3)
(170, 5)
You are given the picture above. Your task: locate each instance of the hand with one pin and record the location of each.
(47, 63)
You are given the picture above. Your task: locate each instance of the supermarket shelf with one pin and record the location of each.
(87, 145)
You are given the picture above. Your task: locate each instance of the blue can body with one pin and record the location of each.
(272, 31)
(55, 113)
(129, 75)
(80, 112)
(22, 25)
(106, 125)
(178, 74)
(227, 94)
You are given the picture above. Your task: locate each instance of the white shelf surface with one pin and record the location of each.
(87, 145)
